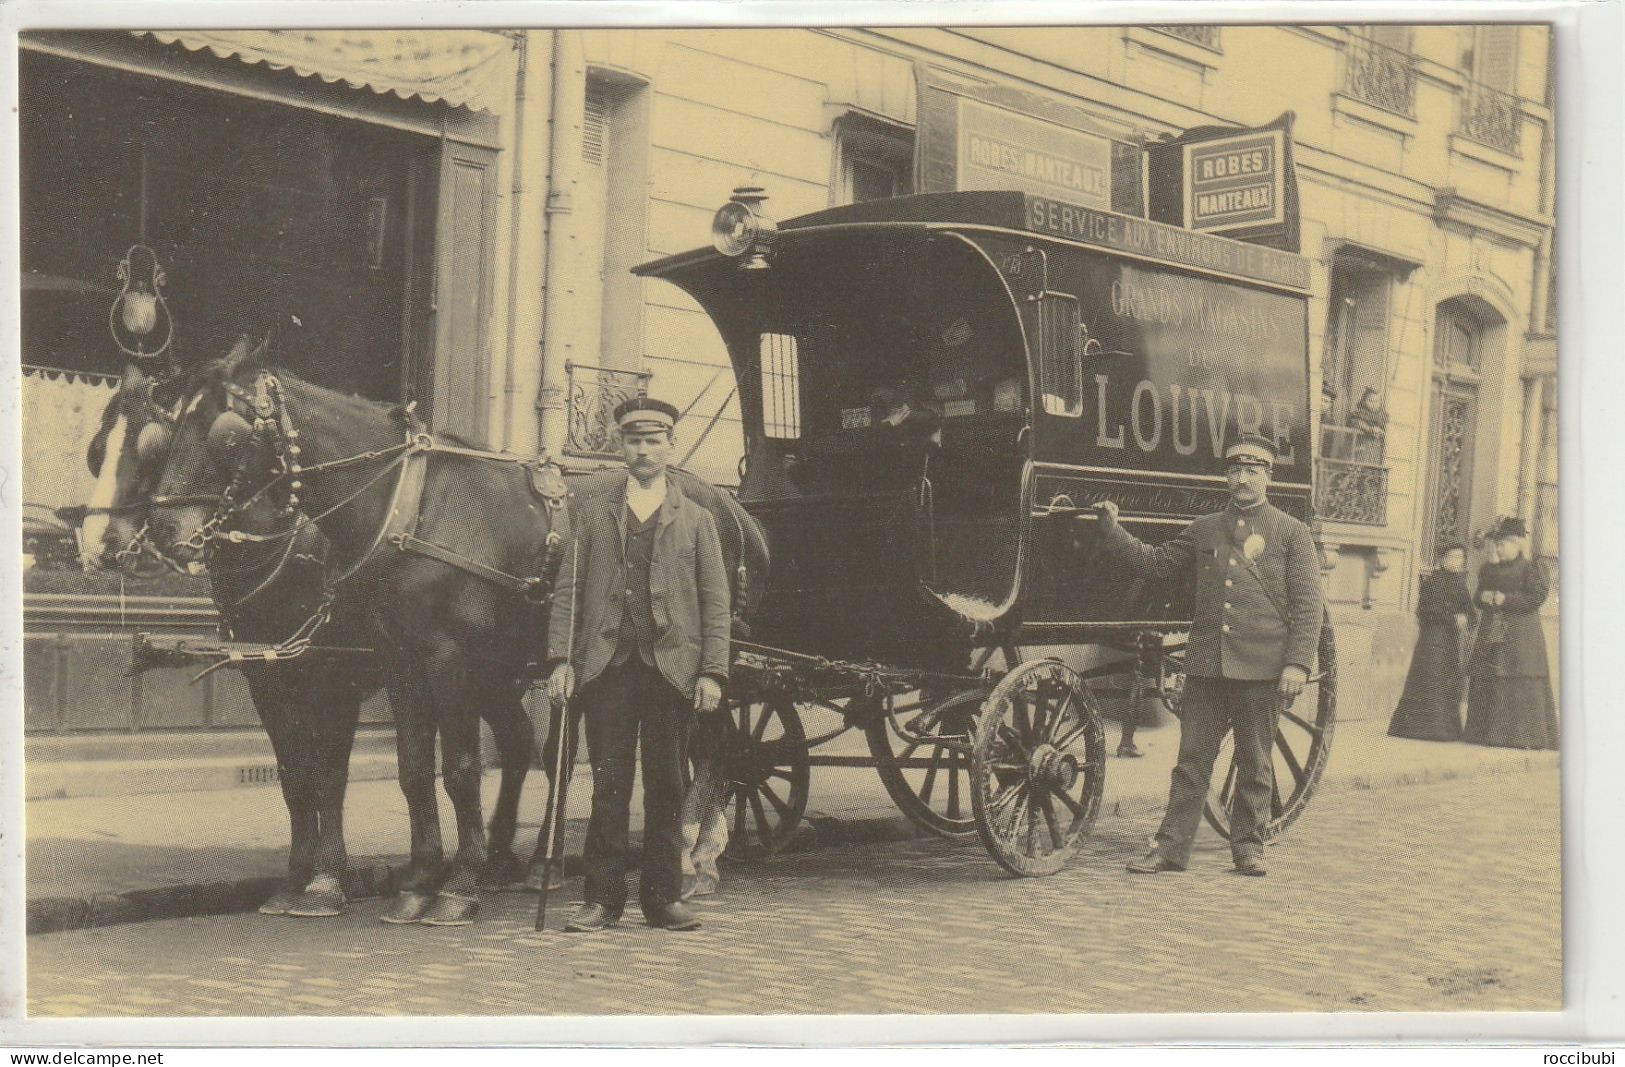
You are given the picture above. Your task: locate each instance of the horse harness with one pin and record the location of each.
(263, 415)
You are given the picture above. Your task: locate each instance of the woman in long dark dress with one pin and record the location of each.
(1510, 701)
(1430, 707)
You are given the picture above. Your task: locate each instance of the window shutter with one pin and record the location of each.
(464, 238)
(1498, 57)
(595, 125)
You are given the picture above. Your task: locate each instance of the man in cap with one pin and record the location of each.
(645, 591)
(1252, 642)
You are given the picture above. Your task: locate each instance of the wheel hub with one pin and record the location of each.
(1052, 767)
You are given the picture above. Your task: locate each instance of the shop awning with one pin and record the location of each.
(465, 68)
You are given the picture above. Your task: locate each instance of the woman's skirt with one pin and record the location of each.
(1510, 712)
(1430, 707)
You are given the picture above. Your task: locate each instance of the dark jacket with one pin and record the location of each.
(688, 589)
(1252, 616)
(1510, 638)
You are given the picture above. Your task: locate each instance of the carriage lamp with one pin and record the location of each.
(140, 305)
(741, 228)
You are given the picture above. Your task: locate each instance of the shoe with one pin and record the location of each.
(1154, 862)
(673, 916)
(1251, 866)
(592, 918)
(1126, 750)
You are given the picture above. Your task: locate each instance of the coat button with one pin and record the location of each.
(1229, 582)
(1225, 627)
(1227, 605)
(1232, 561)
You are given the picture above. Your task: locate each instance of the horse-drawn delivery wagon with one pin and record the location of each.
(935, 390)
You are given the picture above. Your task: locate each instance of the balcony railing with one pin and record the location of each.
(1351, 478)
(1203, 36)
(1381, 76)
(1491, 118)
(595, 392)
(1351, 492)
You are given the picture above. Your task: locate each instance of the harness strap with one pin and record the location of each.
(510, 582)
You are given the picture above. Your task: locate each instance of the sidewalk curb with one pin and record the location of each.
(376, 877)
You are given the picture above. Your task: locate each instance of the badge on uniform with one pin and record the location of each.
(1253, 547)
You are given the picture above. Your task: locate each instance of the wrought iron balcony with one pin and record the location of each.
(1381, 76)
(1351, 479)
(594, 393)
(1204, 36)
(1491, 118)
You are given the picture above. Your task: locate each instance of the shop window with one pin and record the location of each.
(874, 159)
(780, 361)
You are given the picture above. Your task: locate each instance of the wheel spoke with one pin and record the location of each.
(996, 805)
(1050, 820)
(1277, 806)
(1062, 711)
(739, 814)
(1071, 737)
(778, 805)
(930, 777)
(1289, 757)
(1021, 719)
(762, 826)
(1072, 805)
(953, 785)
(1040, 719)
(1303, 724)
(760, 728)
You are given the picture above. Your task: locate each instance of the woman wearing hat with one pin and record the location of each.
(1430, 708)
(1509, 701)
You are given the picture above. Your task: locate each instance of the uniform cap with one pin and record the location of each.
(1251, 449)
(645, 413)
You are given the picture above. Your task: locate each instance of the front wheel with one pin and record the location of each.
(1038, 768)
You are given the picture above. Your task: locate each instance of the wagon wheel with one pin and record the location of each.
(764, 760)
(929, 782)
(1303, 743)
(1038, 768)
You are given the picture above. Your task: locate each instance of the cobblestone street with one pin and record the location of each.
(1431, 897)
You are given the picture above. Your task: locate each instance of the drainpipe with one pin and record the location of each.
(564, 158)
(527, 219)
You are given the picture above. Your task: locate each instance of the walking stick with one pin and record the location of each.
(558, 789)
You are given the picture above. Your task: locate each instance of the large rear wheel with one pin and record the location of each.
(1303, 743)
(922, 750)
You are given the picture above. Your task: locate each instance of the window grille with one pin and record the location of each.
(780, 359)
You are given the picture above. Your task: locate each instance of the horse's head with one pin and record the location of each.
(126, 455)
(214, 448)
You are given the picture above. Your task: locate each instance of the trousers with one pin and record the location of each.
(1213, 706)
(632, 706)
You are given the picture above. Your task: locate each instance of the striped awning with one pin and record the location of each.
(465, 68)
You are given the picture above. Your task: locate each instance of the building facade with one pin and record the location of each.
(483, 210)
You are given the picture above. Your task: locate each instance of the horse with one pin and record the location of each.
(430, 658)
(308, 707)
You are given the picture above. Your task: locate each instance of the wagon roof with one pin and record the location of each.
(1034, 216)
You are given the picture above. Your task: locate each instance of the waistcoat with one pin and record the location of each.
(638, 618)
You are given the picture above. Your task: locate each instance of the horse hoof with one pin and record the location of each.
(279, 903)
(451, 909)
(322, 899)
(407, 907)
(501, 873)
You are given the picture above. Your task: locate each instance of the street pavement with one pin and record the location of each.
(95, 860)
(1438, 896)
